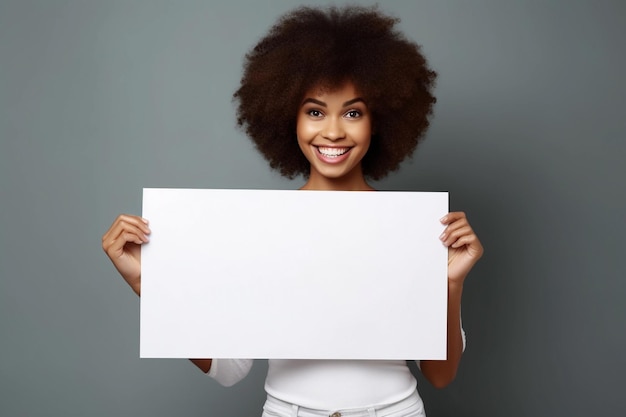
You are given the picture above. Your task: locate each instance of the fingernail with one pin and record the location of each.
(443, 219)
(144, 220)
(442, 236)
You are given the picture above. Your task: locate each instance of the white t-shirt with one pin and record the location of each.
(327, 384)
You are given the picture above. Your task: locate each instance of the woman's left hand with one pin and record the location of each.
(464, 248)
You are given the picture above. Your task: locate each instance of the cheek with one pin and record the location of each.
(302, 137)
(362, 134)
(305, 130)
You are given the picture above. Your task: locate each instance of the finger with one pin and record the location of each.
(130, 219)
(115, 247)
(121, 235)
(465, 240)
(452, 217)
(456, 225)
(471, 244)
(449, 238)
(137, 221)
(124, 222)
(125, 232)
(133, 218)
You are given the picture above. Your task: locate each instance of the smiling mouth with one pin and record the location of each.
(332, 152)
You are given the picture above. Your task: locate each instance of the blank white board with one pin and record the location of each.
(294, 274)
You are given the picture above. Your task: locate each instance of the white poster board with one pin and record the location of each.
(294, 274)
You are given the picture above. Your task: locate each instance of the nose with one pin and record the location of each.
(333, 129)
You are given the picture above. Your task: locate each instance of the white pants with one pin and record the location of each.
(411, 406)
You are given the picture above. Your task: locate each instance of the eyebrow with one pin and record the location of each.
(321, 103)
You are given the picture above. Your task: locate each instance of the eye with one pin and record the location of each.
(353, 114)
(314, 113)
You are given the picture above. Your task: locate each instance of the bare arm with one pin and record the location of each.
(464, 250)
(203, 364)
(441, 373)
(122, 244)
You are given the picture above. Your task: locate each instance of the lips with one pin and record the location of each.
(332, 155)
(332, 152)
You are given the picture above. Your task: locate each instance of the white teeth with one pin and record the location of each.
(332, 152)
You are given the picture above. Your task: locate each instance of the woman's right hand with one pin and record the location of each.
(122, 244)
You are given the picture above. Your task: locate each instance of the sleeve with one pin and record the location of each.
(463, 337)
(229, 371)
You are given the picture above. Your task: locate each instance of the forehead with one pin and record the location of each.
(341, 91)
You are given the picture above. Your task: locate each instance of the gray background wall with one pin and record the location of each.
(100, 99)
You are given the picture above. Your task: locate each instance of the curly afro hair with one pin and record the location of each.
(310, 48)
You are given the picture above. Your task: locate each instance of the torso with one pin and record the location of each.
(339, 384)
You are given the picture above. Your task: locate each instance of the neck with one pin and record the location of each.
(352, 182)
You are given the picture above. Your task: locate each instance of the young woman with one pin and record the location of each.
(339, 97)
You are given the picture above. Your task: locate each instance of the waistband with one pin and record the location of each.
(274, 406)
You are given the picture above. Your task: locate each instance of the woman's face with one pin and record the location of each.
(334, 130)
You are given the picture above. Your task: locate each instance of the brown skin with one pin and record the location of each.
(338, 120)
(122, 244)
